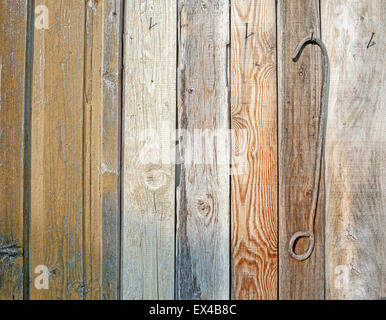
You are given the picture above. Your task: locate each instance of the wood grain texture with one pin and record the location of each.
(111, 148)
(299, 87)
(13, 23)
(356, 150)
(57, 151)
(101, 149)
(254, 150)
(149, 175)
(92, 150)
(75, 150)
(203, 212)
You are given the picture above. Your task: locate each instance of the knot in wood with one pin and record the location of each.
(204, 205)
(154, 179)
(302, 71)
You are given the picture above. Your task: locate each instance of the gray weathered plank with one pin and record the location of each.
(148, 152)
(111, 148)
(356, 150)
(298, 99)
(203, 213)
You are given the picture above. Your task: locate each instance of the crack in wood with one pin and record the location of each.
(10, 252)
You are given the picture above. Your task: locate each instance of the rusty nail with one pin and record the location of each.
(152, 25)
(371, 39)
(246, 31)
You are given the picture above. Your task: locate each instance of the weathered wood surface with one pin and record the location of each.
(13, 23)
(199, 52)
(254, 150)
(203, 212)
(75, 150)
(111, 148)
(57, 151)
(356, 150)
(148, 150)
(92, 150)
(101, 150)
(298, 102)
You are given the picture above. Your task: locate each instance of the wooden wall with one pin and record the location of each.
(166, 149)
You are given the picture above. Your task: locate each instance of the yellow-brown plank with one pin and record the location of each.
(13, 24)
(75, 150)
(57, 151)
(298, 100)
(356, 149)
(92, 148)
(254, 146)
(203, 212)
(149, 176)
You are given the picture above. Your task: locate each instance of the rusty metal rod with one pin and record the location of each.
(310, 233)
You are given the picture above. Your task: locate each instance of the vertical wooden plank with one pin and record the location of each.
(356, 150)
(92, 149)
(149, 174)
(101, 149)
(254, 143)
(203, 213)
(111, 148)
(13, 23)
(57, 151)
(299, 103)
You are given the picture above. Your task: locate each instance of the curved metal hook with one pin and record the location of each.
(310, 234)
